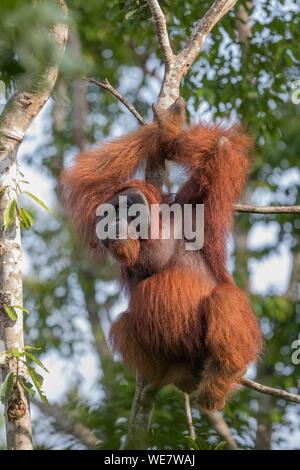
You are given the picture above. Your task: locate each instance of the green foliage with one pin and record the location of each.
(11, 312)
(9, 214)
(36, 199)
(25, 44)
(12, 209)
(26, 219)
(38, 380)
(7, 388)
(26, 359)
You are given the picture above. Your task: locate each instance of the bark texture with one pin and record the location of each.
(17, 413)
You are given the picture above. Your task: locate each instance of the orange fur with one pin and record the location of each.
(217, 162)
(172, 334)
(100, 173)
(232, 341)
(187, 322)
(126, 253)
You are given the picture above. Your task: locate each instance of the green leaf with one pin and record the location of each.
(37, 200)
(36, 360)
(9, 214)
(26, 219)
(21, 308)
(31, 348)
(37, 380)
(221, 445)
(28, 387)
(24, 181)
(15, 352)
(7, 387)
(11, 313)
(130, 13)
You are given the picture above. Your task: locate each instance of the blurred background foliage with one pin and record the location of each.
(241, 74)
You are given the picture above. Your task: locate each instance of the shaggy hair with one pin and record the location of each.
(187, 322)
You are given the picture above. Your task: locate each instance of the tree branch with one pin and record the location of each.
(242, 208)
(222, 428)
(107, 86)
(161, 32)
(202, 28)
(188, 414)
(275, 392)
(216, 419)
(176, 66)
(243, 23)
(267, 209)
(62, 418)
(141, 414)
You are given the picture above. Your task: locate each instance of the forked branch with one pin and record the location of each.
(177, 65)
(241, 208)
(201, 30)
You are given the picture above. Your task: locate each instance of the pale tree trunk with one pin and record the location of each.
(17, 414)
(141, 414)
(15, 119)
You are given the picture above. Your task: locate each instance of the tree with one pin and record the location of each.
(21, 109)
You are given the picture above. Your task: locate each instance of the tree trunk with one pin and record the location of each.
(141, 414)
(17, 412)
